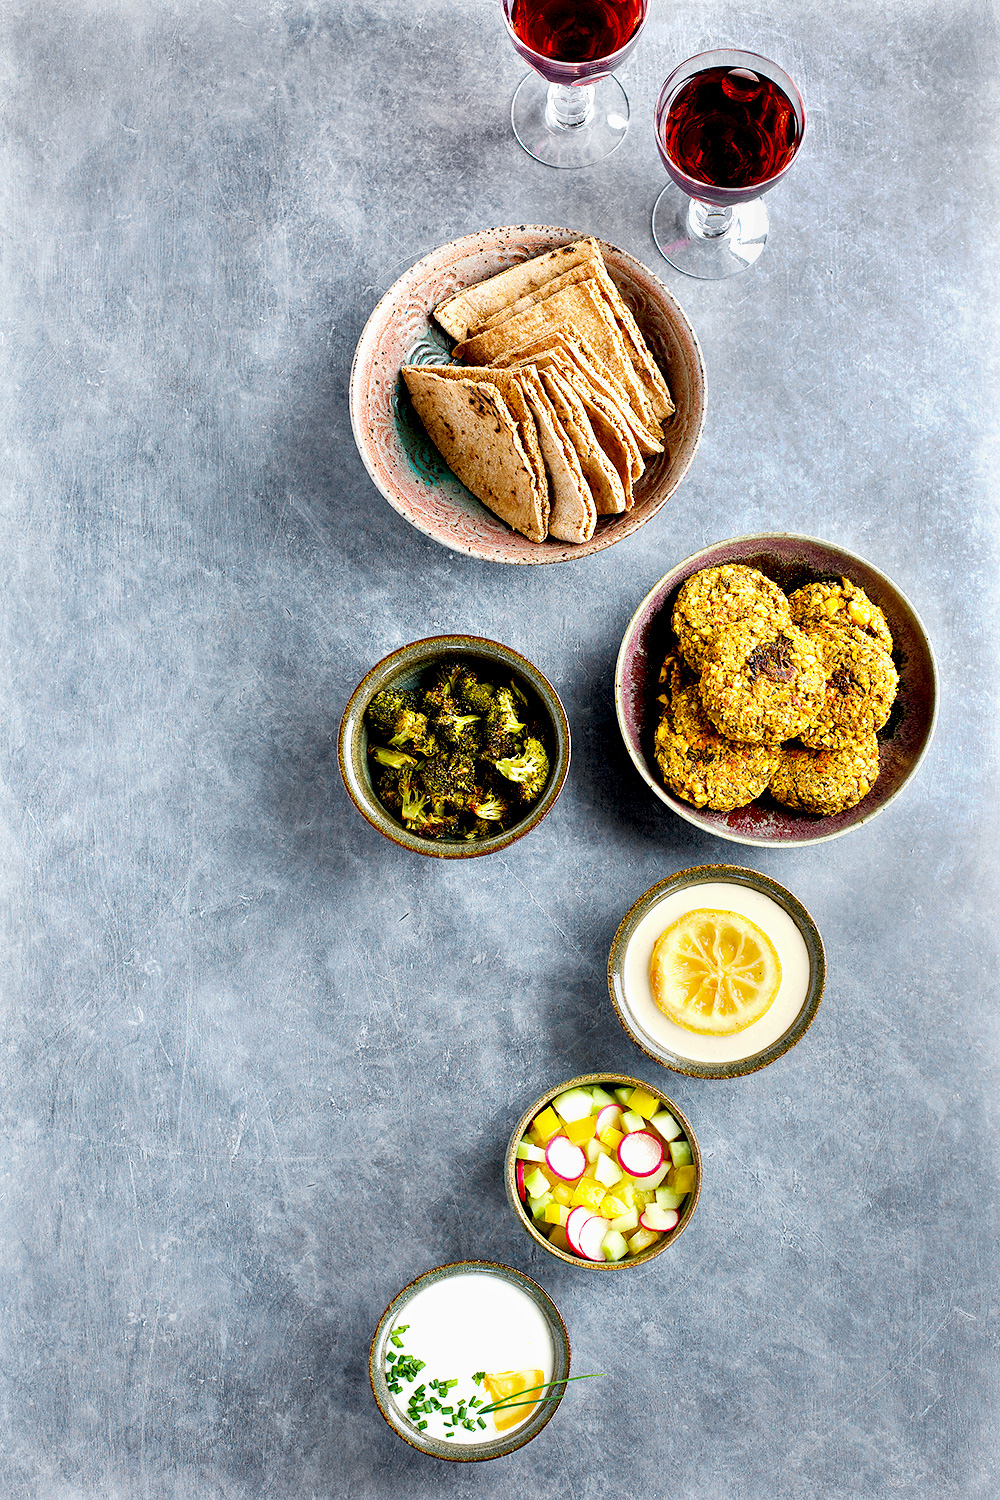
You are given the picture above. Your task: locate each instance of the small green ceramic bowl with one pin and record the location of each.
(608, 1081)
(405, 668)
(718, 887)
(499, 1443)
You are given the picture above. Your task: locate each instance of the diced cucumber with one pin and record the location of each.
(631, 1121)
(665, 1123)
(648, 1183)
(575, 1104)
(623, 1095)
(666, 1199)
(625, 1223)
(594, 1149)
(606, 1172)
(680, 1153)
(527, 1152)
(614, 1245)
(600, 1097)
(539, 1205)
(536, 1183)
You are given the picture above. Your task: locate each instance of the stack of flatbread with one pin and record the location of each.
(550, 420)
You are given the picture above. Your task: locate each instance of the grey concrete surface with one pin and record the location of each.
(258, 1065)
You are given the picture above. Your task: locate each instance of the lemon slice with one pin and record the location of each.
(714, 972)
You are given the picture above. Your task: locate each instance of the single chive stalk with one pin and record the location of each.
(505, 1402)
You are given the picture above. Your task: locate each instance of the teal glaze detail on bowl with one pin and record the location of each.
(413, 439)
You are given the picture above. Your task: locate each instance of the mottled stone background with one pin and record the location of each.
(258, 1065)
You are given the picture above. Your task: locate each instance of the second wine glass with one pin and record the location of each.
(569, 111)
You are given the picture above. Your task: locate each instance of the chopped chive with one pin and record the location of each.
(422, 1426)
(480, 1421)
(449, 1434)
(479, 1376)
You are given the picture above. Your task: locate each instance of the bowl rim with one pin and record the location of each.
(414, 655)
(694, 815)
(781, 896)
(380, 314)
(583, 1080)
(500, 1446)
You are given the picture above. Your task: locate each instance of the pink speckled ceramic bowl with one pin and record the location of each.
(403, 462)
(791, 561)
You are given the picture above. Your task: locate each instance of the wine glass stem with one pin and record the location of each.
(568, 108)
(709, 221)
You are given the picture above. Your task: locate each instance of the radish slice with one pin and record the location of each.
(608, 1116)
(519, 1177)
(576, 1221)
(564, 1159)
(640, 1153)
(591, 1237)
(659, 1218)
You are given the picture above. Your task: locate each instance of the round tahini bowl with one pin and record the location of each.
(497, 1445)
(791, 561)
(605, 1080)
(404, 668)
(400, 457)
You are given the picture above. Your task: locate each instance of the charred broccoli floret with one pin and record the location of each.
(395, 759)
(386, 707)
(529, 770)
(489, 806)
(449, 778)
(503, 725)
(456, 727)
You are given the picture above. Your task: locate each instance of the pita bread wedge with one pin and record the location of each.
(608, 429)
(473, 428)
(575, 309)
(467, 311)
(599, 472)
(598, 377)
(650, 378)
(572, 513)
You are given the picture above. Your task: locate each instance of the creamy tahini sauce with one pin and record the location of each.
(466, 1323)
(649, 1020)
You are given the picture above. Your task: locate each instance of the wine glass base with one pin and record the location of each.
(710, 258)
(601, 132)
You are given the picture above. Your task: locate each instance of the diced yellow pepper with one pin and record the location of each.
(610, 1137)
(588, 1194)
(580, 1131)
(546, 1125)
(682, 1179)
(642, 1196)
(642, 1239)
(563, 1193)
(644, 1103)
(613, 1207)
(555, 1213)
(558, 1238)
(625, 1190)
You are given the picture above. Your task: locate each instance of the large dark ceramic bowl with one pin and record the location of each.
(791, 561)
(494, 1446)
(402, 460)
(405, 668)
(611, 1081)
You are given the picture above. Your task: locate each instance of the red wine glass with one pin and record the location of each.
(569, 111)
(729, 124)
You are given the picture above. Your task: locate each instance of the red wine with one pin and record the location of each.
(576, 30)
(731, 128)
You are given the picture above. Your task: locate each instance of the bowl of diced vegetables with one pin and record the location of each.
(454, 746)
(603, 1171)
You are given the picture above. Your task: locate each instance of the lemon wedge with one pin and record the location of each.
(714, 972)
(508, 1385)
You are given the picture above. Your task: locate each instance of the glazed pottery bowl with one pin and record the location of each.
(727, 888)
(403, 462)
(405, 668)
(791, 561)
(494, 1445)
(608, 1081)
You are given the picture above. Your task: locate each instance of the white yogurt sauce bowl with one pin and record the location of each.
(461, 1318)
(720, 888)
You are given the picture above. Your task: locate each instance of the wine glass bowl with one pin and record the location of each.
(728, 126)
(569, 111)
